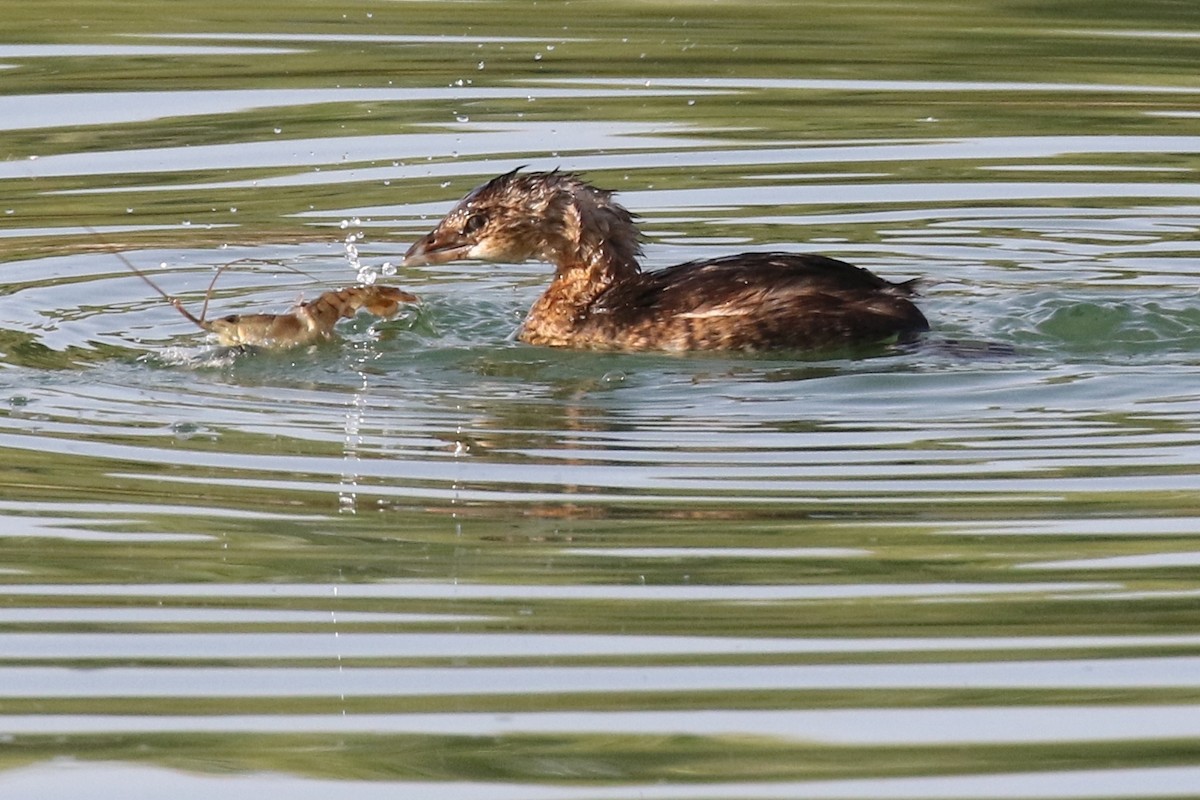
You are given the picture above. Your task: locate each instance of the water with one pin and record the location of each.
(425, 560)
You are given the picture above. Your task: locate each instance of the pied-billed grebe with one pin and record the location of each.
(601, 299)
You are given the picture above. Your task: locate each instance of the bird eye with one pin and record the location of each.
(474, 223)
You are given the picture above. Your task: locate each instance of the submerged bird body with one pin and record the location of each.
(599, 297)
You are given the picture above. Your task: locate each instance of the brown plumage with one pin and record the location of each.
(599, 297)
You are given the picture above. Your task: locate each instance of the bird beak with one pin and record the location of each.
(437, 247)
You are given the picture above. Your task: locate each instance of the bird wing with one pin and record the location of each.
(747, 284)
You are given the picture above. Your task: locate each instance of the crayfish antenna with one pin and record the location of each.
(174, 301)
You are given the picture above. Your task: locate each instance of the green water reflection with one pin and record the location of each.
(975, 559)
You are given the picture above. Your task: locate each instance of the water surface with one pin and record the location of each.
(426, 560)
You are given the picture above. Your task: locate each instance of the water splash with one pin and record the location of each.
(352, 443)
(365, 273)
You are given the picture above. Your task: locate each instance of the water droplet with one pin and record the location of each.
(481, 65)
(537, 56)
(185, 430)
(279, 130)
(463, 118)
(691, 102)
(388, 269)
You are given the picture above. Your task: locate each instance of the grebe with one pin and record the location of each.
(599, 297)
